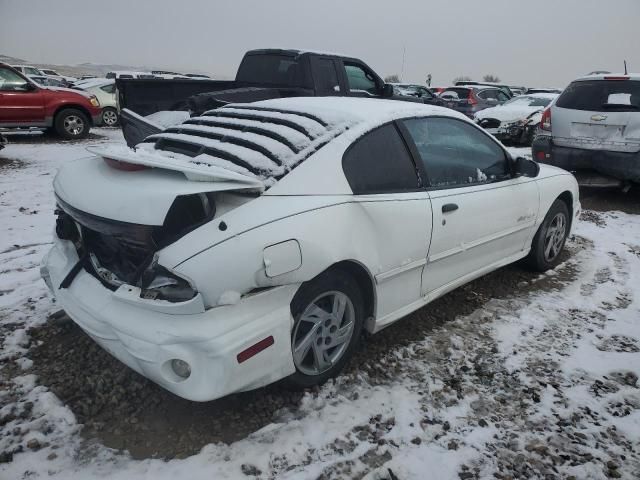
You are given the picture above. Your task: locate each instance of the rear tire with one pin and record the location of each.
(328, 314)
(71, 124)
(550, 238)
(110, 117)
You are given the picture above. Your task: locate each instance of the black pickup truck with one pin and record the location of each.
(262, 74)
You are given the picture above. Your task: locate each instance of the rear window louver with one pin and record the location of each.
(257, 141)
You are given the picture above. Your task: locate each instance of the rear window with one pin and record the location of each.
(598, 95)
(271, 69)
(456, 93)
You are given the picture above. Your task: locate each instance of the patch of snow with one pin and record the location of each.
(229, 298)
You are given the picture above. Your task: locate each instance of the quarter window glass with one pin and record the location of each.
(379, 162)
(108, 88)
(360, 80)
(456, 154)
(11, 81)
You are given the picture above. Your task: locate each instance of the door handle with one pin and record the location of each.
(449, 207)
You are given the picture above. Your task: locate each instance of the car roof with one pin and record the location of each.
(609, 76)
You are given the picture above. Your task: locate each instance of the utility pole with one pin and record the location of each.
(404, 51)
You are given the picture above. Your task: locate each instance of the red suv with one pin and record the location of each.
(69, 113)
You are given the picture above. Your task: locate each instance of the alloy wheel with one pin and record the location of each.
(109, 118)
(554, 237)
(73, 125)
(323, 332)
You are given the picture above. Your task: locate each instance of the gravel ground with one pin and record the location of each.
(450, 344)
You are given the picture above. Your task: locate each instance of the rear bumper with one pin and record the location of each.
(618, 165)
(147, 339)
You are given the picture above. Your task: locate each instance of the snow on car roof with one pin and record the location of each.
(605, 76)
(265, 140)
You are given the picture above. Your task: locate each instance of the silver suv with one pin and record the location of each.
(594, 126)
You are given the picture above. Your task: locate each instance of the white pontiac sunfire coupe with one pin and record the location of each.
(257, 241)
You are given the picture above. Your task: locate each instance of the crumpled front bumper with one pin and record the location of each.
(147, 335)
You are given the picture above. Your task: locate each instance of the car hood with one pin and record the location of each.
(68, 90)
(507, 113)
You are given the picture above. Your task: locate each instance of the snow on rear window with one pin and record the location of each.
(259, 142)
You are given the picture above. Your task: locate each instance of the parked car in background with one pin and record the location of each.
(515, 121)
(197, 75)
(517, 90)
(129, 74)
(23, 104)
(543, 90)
(594, 128)
(48, 81)
(52, 73)
(86, 77)
(28, 70)
(437, 90)
(472, 98)
(416, 91)
(505, 88)
(105, 90)
(419, 201)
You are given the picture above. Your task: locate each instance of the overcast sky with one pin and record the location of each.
(541, 42)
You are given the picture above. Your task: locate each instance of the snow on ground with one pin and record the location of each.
(542, 385)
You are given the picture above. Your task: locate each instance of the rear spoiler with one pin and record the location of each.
(136, 128)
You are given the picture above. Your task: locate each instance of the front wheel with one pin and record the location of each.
(328, 317)
(71, 124)
(550, 238)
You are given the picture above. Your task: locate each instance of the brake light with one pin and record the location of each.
(472, 99)
(126, 166)
(545, 121)
(617, 78)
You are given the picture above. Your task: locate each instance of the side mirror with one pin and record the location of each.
(524, 167)
(387, 90)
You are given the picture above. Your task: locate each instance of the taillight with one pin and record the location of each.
(119, 165)
(472, 99)
(545, 121)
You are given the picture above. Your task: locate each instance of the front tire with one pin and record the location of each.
(71, 124)
(550, 238)
(328, 317)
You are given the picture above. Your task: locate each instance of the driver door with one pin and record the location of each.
(20, 102)
(482, 215)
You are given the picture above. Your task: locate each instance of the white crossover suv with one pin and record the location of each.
(256, 242)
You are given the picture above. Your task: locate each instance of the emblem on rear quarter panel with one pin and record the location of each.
(598, 118)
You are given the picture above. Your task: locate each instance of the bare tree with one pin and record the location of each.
(392, 78)
(461, 78)
(491, 78)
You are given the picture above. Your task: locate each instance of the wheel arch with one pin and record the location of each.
(75, 106)
(365, 282)
(567, 198)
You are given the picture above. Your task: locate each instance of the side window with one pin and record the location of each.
(501, 96)
(11, 81)
(109, 88)
(327, 76)
(456, 154)
(487, 94)
(379, 162)
(360, 80)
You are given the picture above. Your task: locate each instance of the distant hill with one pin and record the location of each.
(86, 68)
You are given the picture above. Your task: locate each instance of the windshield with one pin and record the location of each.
(597, 95)
(527, 101)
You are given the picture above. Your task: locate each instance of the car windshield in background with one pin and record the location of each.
(529, 101)
(596, 95)
(270, 69)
